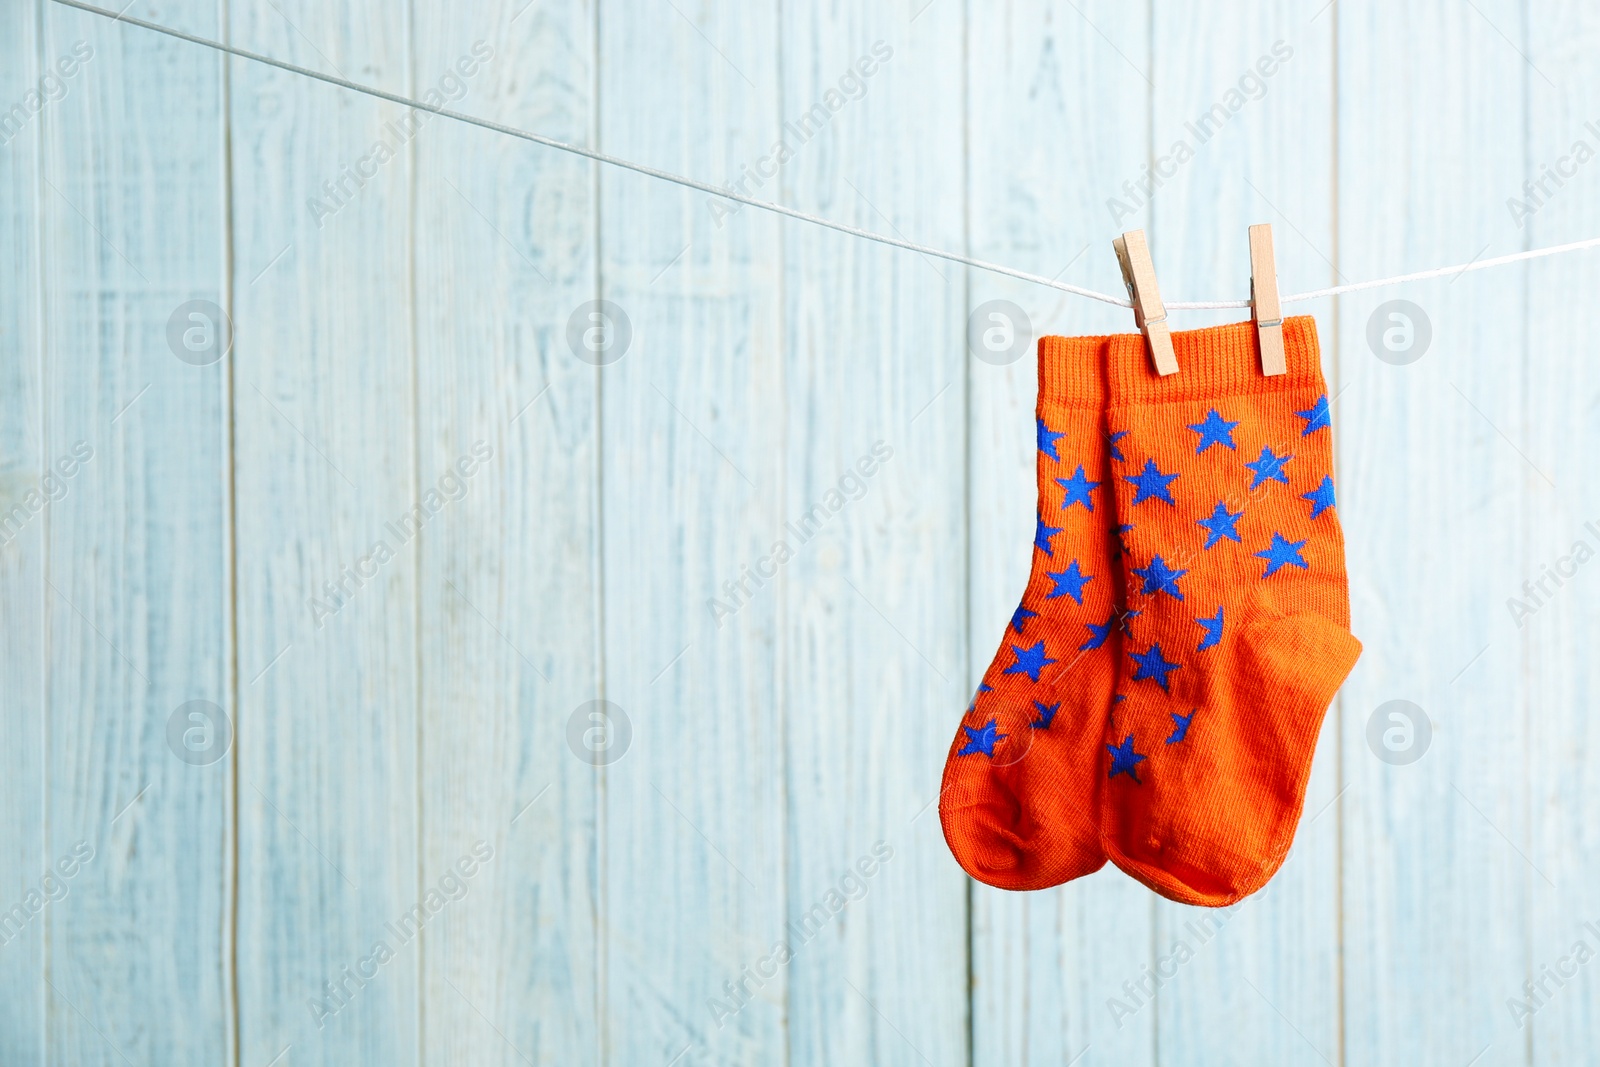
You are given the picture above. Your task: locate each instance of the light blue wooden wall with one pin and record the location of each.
(424, 729)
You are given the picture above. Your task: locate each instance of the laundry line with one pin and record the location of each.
(803, 216)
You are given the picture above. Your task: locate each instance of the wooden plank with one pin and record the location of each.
(873, 621)
(1243, 101)
(137, 586)
(1434, 494)
(23, 860)
(1557, 1020)
(505, 253)
(765, 359)
(327, 473)
(693, 835)
(1058, 120)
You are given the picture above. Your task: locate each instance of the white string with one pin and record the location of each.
(794, 213)
(1439, 272)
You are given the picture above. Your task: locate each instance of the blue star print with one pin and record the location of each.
(1281, 553)
(1042, 535)
(1124, 759)
(1221, 524)
(982, 689)
(1069, 582)
(1316, 416)
(1111, 445)
(982, 740)
(1215, 430)
(1269, 467)
(1030, 661)
(1180, 726)
(1077, 488)
(1048, 439)
(1152, 664)
(1020, 616)
(1160, 578)
(1150, 482)
(1321, 497)
(1213, 629)
(1047, 712)
(1117, 533)
(1098, 634)
(1127, 619)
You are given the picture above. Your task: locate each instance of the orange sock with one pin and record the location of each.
(1021, 784)
(1239, 612)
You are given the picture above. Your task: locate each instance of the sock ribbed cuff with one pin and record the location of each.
(1072, 370)
(1215, 361)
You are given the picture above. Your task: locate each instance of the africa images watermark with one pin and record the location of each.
(851, 485)
(1537, 192)
(1252, 85)
(52, 889)
(851, 85)
(339, 991)
(53, 485)
(1537, 592)
(401, 529)
(852, 886)
(396, 134)
(51, 88)
(1142, 990)
(1537, 992)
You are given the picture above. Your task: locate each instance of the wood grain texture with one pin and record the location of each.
(23, 724)
(692, 862)
(1559, 407)
(505, 252)
(137, 610)
(872, 370)
(324, 411)
(615, 538)
(1058, 120)
(1435, 503)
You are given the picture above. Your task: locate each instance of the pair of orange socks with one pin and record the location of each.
(1158, 694)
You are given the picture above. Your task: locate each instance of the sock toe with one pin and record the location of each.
(997, 840)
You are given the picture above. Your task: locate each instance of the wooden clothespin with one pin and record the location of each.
(1139, 274)
(1265, 308)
